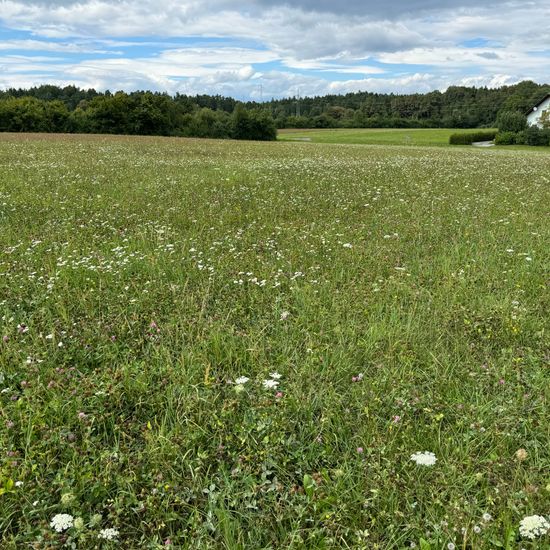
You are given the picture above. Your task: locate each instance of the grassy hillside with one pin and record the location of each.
(241, 345)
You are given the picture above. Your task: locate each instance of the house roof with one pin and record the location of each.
(534, 108)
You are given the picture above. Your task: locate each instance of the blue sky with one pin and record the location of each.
(269, 48)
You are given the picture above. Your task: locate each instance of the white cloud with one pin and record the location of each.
(405, 45)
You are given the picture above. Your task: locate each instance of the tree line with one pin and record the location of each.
(70, 109)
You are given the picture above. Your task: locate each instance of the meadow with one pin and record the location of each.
(374, 136)
(216, 344)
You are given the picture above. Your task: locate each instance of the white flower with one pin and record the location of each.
(62, 522)
(477, 529)
(284, 315)
(451, 546)
(347, 245)
(19, 484)
(242, 380)
(108, 534)
(487, 517)
(275, 375)
(532, 527)
(270, 384)
(425, 458)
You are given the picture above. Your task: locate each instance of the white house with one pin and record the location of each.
(536, 112)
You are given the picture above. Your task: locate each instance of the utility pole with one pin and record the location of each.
(298, 104)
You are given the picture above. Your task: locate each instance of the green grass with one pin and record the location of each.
(139, 277)
(374, 136)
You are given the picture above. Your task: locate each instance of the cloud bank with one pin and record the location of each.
(269, 48)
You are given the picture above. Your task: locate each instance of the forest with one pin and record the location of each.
(49, 108)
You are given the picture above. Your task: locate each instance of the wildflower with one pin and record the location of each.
(108, 534)
(279, 394)
(532, 527)
(284, 315)
(521, 455)
(270, 384)
(5, 338)
(347, 245)
(357, 378)
(79, 524)
(451, 546)
(486, 517)
(396, 419)
(477, 529)
(22, 328)
(426, 458)
(61, 522)
(19, 484)
(242, 380)
(275, 375)
(82, 415)
(360, 450)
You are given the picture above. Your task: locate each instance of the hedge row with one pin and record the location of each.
(532, 136)
(469, 138)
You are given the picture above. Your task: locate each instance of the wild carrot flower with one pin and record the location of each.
(242, 380)
(108, 534)
(270, 384)
(532, 527)
(426, 458)
(61, 522)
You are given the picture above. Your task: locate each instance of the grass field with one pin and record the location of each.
(214, 344)
(373, 136)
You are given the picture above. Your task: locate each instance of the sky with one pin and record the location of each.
(271, 48)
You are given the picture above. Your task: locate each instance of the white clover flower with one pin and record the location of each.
(242, 380)
(270, 384)
(62, 522)
(275, 375)
(532, 527)
(284, 315)
(108, 534)
(426, 458)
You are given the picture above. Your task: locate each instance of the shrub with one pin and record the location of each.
(506, 138)
(511, 121)
(537, 136)
(253, 124)
(520, 138)
(471, 137)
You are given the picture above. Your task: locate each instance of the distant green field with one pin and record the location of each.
(373, 136)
